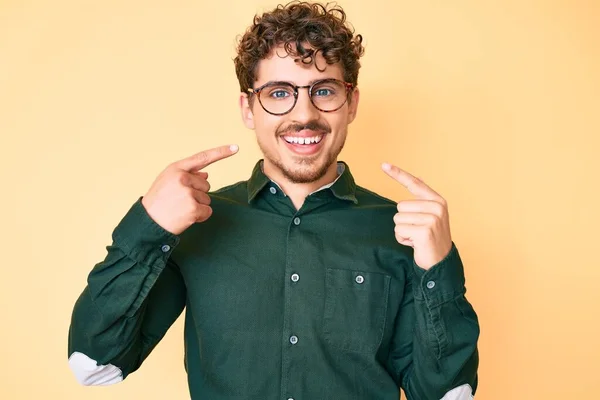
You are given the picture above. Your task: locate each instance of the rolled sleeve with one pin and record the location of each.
(446, 331)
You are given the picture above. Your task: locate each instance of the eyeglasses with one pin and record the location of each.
(279, 98)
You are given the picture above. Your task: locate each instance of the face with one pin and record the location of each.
(280, 137)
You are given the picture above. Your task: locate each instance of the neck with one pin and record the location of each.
(297, 192)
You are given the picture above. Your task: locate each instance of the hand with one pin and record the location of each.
(178, 197)
(422, 224)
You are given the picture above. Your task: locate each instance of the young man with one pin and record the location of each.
(298, 284)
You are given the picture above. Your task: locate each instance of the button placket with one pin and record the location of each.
(293, 270)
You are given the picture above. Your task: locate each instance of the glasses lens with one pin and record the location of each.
(329, 95)
(277, 98)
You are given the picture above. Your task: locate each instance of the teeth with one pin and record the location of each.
(302, 140)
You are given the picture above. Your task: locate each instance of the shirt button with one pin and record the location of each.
(165, 248)
(290, 398)
(296, 221)
(295, 277)
(273, 190)
(430, 285)
(293, 339)
(360, 279)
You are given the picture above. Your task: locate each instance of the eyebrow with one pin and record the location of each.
(292, 83)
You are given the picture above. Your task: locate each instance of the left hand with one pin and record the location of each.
(422, 224)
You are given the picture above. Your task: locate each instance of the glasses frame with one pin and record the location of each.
(348, 86)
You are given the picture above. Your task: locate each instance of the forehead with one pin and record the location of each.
(279, 66)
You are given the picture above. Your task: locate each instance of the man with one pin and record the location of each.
(298, 284)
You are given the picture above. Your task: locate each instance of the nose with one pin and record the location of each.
(304, 111)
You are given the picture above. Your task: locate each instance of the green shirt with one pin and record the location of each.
(309, 304)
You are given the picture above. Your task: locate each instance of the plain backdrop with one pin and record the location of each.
(495, 104)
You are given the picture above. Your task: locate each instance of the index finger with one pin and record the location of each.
(413, 184)
(207, 157)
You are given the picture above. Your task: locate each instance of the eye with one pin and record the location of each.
(279, 93)
(328, 88)
(322, 92)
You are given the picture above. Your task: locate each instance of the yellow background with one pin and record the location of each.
(495, 104)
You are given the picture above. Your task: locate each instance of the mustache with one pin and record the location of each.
(312, 126)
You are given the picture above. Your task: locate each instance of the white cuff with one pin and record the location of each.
(463, 392)
(89, 373)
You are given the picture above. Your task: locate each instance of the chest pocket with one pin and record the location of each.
(355, 309)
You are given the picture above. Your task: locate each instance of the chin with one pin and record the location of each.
(302, 176)
(305, 171)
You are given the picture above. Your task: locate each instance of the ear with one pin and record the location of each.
(246, 110)
(353, 106)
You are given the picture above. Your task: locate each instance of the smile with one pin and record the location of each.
(303, 140)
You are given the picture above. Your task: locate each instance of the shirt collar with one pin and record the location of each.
(343, 187)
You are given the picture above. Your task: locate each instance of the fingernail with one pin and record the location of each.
(386, 166)
(234, 147)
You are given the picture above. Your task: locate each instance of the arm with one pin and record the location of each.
(440, 359)
(130, 301)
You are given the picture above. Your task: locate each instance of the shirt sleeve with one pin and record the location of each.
(131, 299)
(440, 359)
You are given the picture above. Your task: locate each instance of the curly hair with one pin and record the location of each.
(294, 25)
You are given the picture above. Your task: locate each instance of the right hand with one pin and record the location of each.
(178, 197)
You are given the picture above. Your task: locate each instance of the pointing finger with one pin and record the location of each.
(205, 158)
(413, 184)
